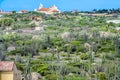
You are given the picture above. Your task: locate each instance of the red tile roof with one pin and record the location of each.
(6, 66)
(47, 9)
(55, 11)
(24, 11)
(44, 9)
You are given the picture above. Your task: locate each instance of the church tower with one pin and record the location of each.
(40, 6)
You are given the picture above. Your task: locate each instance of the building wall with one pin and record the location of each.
(53, 8)
(11, 75)
(6, 75)
(48, 12)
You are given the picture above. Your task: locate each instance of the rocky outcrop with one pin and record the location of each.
(36, 76)
(65, 35)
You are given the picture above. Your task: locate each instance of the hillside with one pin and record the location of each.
(64, 46)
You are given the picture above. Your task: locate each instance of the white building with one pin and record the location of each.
(51, 10)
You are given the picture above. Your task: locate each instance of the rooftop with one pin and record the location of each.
(6, 66)
(44, 9)
(49, 10)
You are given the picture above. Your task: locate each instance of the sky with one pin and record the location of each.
(63, 5)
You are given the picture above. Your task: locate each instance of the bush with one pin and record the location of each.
(74, 77)
(106, 48)
(43, 69)
(52, 28)
(117, 55)
(81, 65)
(110, 56)
(93, 75)
(69, 69)
(80, 48)
(84, 56)
(67, 58)
(101, 76)
(20, 66)
(6, 21)
(75, 43)
(14, 52)
(52, 77)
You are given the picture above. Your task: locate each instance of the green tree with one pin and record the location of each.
(6, 22)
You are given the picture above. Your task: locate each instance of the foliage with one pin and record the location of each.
(101, 76)
(74, 77)
(43, 69)
(52, 77)
(6, 21)
(84, 56)
(58, 59)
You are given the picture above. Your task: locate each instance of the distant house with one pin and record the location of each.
(24, 11)
(51, 10)
(2, 12)
(8, 71)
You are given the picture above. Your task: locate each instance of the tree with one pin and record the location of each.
(6, 22)
(13, 12)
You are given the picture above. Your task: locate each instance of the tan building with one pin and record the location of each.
(8, 71)
(51, 10)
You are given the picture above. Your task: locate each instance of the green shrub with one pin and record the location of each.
(97, 55)
(105, 49)
(69, 69)
(52, 77)
(52, 28)
(80, 49)
(75, 43)
(43, 69)
(81, 65)
(6, 21)
(101, 76)
(93, 75)
(84, 56)
(20, 66)
(117, 55)
(64, 55)
(74, 77)
(68, 58)
(110, 56)
(14, 52)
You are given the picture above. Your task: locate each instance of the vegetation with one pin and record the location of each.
(67, 46)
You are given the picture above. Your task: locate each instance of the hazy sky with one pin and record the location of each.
(64, 5)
